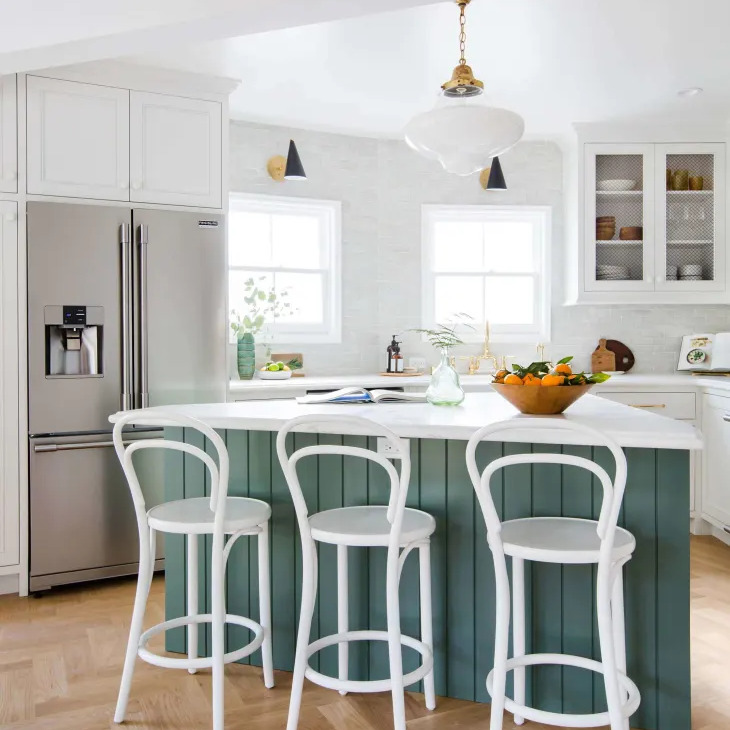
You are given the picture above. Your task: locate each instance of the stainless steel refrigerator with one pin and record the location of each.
(126, 308)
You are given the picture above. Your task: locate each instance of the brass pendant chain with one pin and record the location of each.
(462, 34)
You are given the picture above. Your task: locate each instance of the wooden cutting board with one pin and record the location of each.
(602, 358)
(623, 358)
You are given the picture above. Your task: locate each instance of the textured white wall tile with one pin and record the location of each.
(382, 185)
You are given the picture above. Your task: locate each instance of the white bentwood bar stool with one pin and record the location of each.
(562, 540)
(394, 527)
(219, 516)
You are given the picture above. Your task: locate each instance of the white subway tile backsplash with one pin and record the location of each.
(382, 185)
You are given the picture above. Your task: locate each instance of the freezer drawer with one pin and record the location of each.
(82, 521)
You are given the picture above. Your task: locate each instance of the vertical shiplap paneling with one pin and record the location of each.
(433, 501)
(460, 501)
(355, 493)
(175, 562)
(657, 602)
(261, 451)
(329, 496)
(546, 632)
(284, 577)
(237, 574)
(484, 575)
(410, 608)
(578, 590)
(672, 505)
(641, 604)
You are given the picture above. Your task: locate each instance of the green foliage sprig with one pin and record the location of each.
(443, 336)
(264, 305)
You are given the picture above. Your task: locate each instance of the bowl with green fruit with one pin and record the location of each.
(274, 371)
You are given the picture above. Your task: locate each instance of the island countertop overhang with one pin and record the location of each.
(628, 426)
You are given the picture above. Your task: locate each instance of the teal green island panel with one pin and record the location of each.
(561, 598)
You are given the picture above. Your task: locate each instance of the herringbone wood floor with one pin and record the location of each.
(60, 662)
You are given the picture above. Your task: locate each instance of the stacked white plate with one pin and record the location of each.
(609, 272)
(690, 272)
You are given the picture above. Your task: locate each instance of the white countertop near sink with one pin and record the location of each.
(257, 388)
(628, 426)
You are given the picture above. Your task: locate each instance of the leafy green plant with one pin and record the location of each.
(443, 336)
(265, 305)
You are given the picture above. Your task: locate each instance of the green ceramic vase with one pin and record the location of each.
(246, 356)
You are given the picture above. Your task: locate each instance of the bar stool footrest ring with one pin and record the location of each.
(628, 707)
(199, 662)
(371, 685)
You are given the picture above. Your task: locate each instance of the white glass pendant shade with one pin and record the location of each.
(463, 135)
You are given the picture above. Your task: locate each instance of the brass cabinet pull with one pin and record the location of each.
(648, 405)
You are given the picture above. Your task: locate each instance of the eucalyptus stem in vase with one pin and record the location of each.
(445, 388)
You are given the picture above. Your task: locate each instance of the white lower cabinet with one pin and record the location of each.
(8, 135)
(175, 150)
(716, 459)
(9, 383)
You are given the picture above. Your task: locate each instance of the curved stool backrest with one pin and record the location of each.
(218, 472)
(398, 481)
(613, 490)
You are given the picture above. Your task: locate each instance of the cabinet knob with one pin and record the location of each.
(12, 175)
(11, 217)
(136, 185)
(123, 184)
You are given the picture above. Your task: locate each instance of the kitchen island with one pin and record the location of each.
(562, 598)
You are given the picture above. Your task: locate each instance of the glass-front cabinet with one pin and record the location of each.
(654, 220)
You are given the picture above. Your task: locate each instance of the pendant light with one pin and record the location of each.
(461, 132)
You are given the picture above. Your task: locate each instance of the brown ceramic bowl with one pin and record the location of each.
(541, 401)
(605, 234)
(631, 233)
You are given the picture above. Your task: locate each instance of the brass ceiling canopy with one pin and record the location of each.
(462, 82)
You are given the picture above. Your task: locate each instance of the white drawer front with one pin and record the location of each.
(673, 405)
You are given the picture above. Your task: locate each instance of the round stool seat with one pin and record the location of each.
(194, 517)
(368, 526)
(561, 540)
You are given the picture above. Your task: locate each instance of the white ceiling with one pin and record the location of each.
(554, 61)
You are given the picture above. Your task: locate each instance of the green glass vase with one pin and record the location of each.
(246, 356)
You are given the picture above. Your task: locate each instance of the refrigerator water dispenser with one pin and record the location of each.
(74, 341)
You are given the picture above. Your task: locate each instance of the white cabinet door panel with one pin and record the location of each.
(8, 136)
(78, 139)
(176, 152)
(716, 459)
(9, 463)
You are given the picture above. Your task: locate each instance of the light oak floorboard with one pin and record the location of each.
(61, 659)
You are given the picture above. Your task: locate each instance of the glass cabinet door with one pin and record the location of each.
(690, 252)
(619, 217)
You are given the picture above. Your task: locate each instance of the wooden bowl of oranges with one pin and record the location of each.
(542, 388)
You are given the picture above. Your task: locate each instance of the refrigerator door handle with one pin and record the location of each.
(142, 381)
(126, 401)
(43, 448)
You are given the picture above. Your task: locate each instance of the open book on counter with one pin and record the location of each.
(354, 394)
(705, 353)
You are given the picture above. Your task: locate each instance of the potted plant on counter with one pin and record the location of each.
(265, 307)
(445, 388)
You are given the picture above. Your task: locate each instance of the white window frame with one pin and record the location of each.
(541, 217)
(329, 212)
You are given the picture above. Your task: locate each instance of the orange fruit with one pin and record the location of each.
(553, 380)
(531, 379)
(513, 379)
(562, 368)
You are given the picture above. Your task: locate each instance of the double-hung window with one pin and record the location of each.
(292, 245)
(490, 262)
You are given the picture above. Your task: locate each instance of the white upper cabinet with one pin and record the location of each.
(9, 386)
(78, 139)
(8, 135)
(175, 150)
(653, 224)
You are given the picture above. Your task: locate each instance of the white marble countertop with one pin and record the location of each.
(474, 383)
(628, 426)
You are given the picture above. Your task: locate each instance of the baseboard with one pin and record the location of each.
(8, 584)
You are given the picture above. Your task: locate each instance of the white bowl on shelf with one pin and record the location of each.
(274, 374)
(618, 186)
